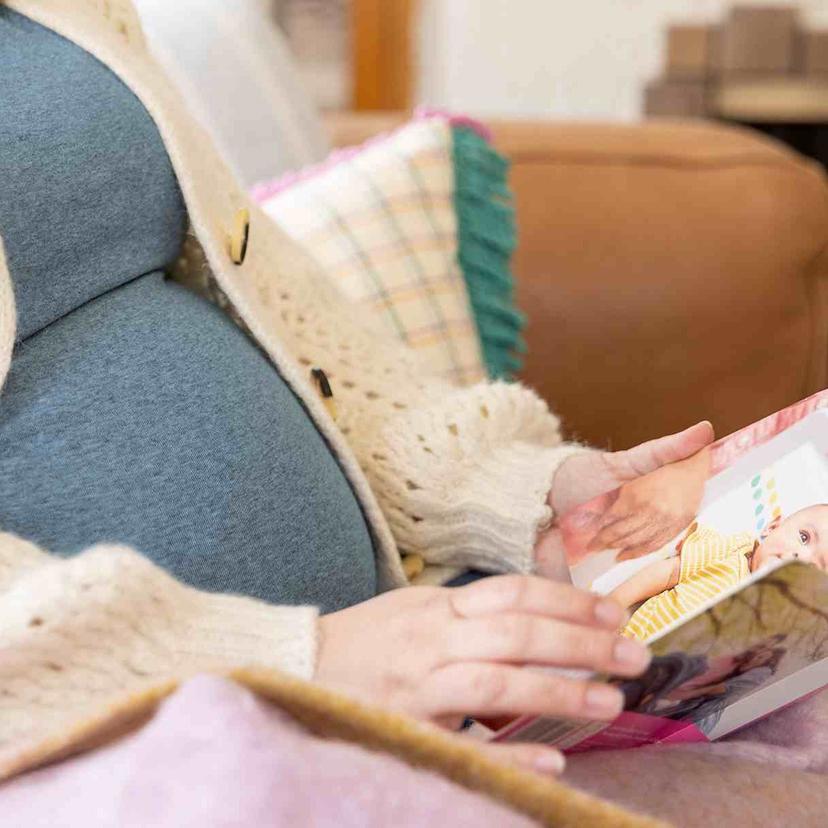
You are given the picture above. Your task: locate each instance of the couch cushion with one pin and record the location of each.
(418, 226)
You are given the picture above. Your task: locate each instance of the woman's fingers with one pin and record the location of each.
(614, 533)
(535, 596)
(638, 545)
(530, 639)
(537, 758)
(480, 689)
(638, 533)
(646, 539)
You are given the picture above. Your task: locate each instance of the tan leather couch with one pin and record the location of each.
(670, 272)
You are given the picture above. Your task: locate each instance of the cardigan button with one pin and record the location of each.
(237, 242)
(323, 386)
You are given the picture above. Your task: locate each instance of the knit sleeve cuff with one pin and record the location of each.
(235, 631)
(493, 520)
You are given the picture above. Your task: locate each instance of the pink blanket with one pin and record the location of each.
(215, 755)
(774, 772)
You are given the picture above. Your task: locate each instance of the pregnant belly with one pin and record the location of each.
(146, 417)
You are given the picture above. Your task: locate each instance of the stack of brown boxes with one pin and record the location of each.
(763, 54)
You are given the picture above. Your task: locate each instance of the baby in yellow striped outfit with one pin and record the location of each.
(709, 563)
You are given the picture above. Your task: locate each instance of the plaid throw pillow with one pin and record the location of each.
(418, 225)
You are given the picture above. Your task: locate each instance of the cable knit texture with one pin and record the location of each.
(459, 476)
(77, 634)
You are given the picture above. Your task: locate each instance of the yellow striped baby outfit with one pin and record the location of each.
(710, 564)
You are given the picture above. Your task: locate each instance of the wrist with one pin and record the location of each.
(550, 556)
(578, 479)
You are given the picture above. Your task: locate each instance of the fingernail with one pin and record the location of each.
(550, 762)
(603, 701)
(609, 613)
(630, 653)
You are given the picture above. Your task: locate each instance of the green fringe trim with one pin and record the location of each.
(486, 240)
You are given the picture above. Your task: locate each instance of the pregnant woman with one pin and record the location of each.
(228, 508)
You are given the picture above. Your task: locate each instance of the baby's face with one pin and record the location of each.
(804, 535)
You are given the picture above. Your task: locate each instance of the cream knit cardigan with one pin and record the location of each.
(459, 476)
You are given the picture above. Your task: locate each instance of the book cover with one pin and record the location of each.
(743, 651)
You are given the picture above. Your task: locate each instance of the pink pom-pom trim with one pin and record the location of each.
(268, 189)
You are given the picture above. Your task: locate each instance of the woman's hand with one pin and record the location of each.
(653, 492)
(651, 510)
(442, 654)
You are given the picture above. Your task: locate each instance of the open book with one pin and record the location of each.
(746, 650)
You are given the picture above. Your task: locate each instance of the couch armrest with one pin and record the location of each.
(670, 272)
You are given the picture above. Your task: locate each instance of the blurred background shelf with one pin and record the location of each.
(761, 66)
(773, 100)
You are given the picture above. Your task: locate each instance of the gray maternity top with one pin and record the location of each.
(134, 410)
